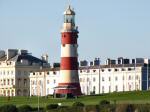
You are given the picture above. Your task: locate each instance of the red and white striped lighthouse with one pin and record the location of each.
(69, 79)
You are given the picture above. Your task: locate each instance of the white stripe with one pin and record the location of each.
(69, 76)
(69, 50)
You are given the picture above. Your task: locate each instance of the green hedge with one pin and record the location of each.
(78, 104)
(8, 108)
(51, 106)
(25, 108)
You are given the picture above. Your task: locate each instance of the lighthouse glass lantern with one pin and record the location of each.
(69, 19)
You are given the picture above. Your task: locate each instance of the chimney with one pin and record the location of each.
(45, 57)
(11, 53)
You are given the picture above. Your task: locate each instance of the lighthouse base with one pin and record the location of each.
(67, 90)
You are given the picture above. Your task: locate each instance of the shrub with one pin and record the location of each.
(24, 108)
(51, 106)
(92, 108)
(8, 108)
(104, 102)
(130, 108)
(78, 104)
(121, 107)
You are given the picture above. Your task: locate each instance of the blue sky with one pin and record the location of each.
(108, 28)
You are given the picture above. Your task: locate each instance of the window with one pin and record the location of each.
(109, 70)
(25, 73)
(94, 89)
(123, 69)
(116, 78)
(109, 78)
(12, 72)
(94, 79)
(64, 45)
(103, 89)
(7, 72)
(87, 79)
(7, 81)
(129, 69)
(25, 82)
(94, 70)
(4, 82)
(40, 82)
(116, 88)
(103, 79)
(137, 77)
(102, 70)
(129, 77)
(47, 81)
(47, 73)
(19, 72)
(54, 81)
(116, 70)
(12, 81)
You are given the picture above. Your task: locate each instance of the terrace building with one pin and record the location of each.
(96, 78)
(15, 68)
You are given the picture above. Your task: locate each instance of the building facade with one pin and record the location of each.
(99, 79)
(15, 68)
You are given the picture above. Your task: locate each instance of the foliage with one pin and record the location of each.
(51, 106)
(25, 108)
(78, 104)
(130, 108)
(104, 102)
(8, 108)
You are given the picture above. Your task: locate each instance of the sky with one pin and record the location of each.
(107, 28)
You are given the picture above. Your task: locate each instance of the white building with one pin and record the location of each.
(15, 68)
(43, 81)
(99, 79)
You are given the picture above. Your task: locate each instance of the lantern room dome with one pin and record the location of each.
(69, 11)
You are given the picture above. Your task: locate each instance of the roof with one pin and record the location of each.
(111, 66)
(93, 67)
(24, 56)
(69, 11)
(30, 58)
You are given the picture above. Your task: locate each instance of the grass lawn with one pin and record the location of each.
(126, 97)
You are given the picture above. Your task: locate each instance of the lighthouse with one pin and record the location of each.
(69, 85)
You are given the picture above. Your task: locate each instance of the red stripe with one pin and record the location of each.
(76, 91)
(69, 38)
(69, 63)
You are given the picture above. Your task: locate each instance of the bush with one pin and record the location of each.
(130, 108)
(92, 108)
(78, 104)
(8, 108)
(104, 102)
(143, 108)
(51, 106)
(24, 108)
(121, 107)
